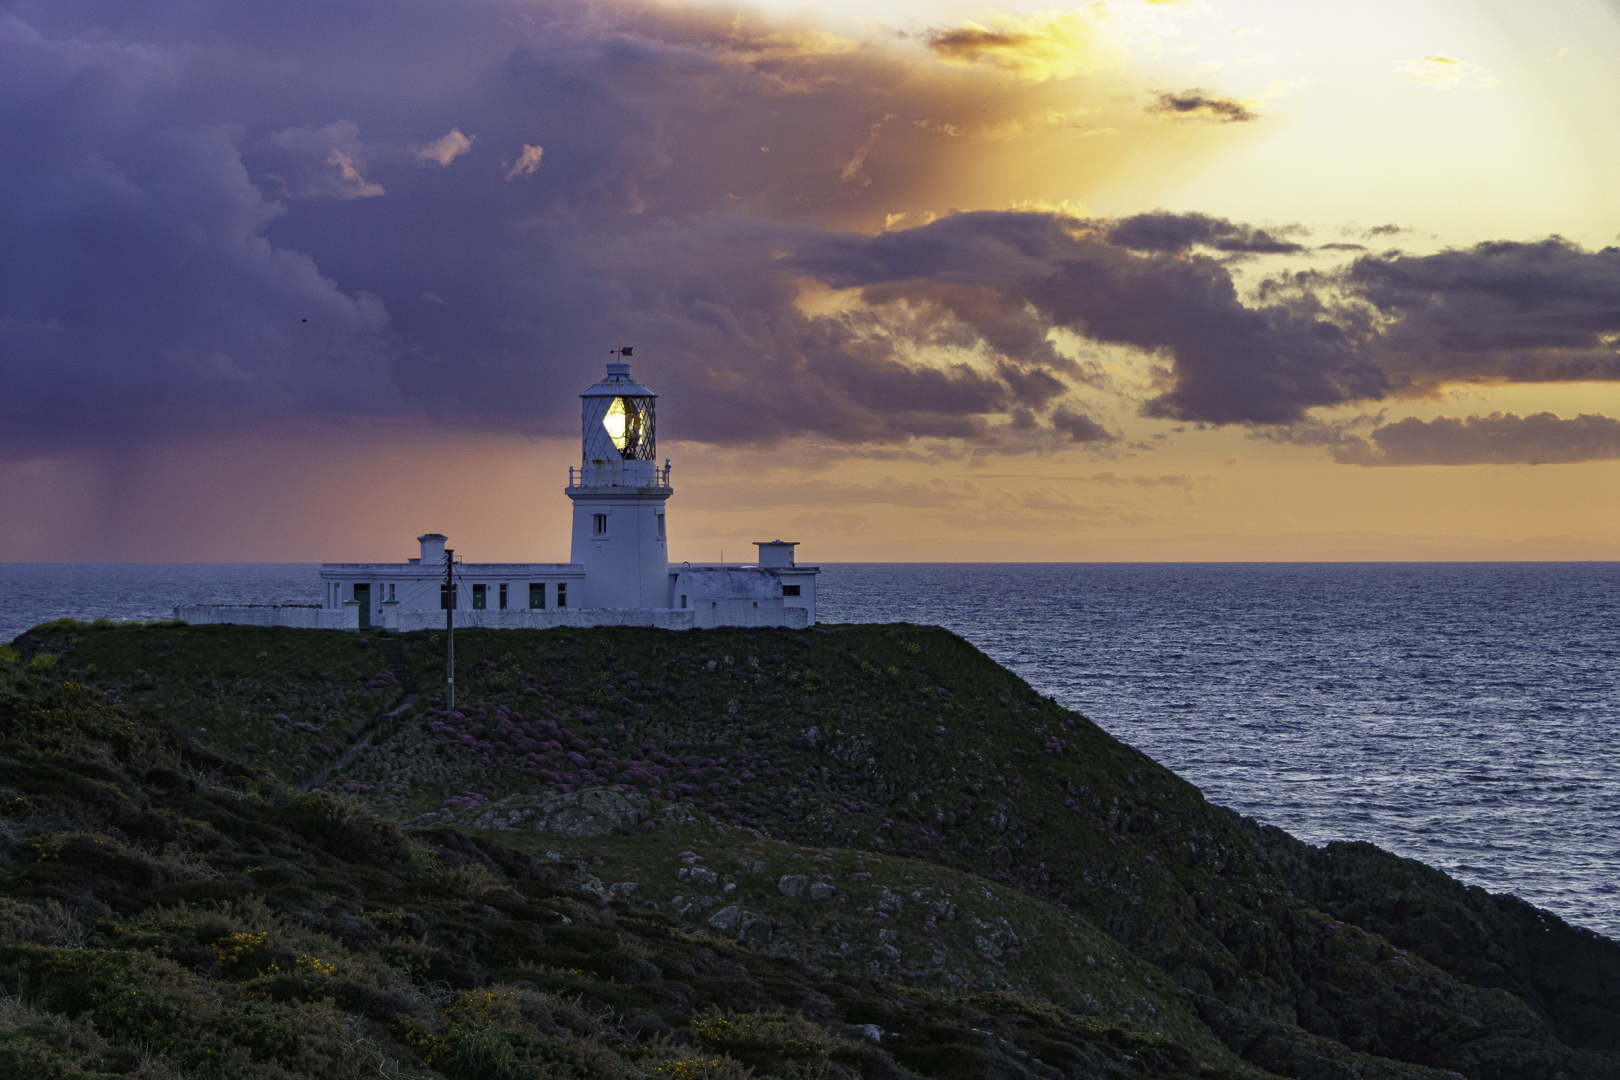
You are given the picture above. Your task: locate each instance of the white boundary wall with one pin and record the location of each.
(313, 618)
(298, 616)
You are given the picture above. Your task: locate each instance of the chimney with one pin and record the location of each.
(433, 548)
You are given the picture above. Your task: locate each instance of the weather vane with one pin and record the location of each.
(621, 352)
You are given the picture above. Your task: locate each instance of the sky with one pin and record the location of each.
(914, 281)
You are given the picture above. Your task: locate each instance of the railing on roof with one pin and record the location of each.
(608, 476)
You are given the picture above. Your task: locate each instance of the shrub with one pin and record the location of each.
(46, 923)
(42, 663)
(764, 1040)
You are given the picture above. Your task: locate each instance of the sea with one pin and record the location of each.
(1463, 714)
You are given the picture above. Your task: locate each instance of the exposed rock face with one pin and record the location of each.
(1568, 975)
(587, 813)
(748, 928)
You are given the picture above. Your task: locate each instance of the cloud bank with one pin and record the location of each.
(450, 212)
(1498, 439)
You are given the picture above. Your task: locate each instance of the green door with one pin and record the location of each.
(362, 593)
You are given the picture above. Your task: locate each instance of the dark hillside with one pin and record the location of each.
(904, 771)
(167, 912)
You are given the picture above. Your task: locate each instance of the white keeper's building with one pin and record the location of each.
(618, 573)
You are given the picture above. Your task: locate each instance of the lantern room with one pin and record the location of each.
(618, 419)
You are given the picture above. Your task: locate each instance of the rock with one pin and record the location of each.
(753, 931)
(697, 875)
(623, 888)
(873, 1032)
(591, 812)
(750, 929)
(727, 918)
(820, 890)
(793, 885)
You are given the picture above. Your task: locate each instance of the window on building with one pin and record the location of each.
(660, 526)
(562, 594)
(599, 524)
(683, 600)
(449, 597)
(391, 592)
(503, 596)
(537, 594)
(790, 590)
(480, 596)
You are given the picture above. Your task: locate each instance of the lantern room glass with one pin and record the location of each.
(629, 423)
(614, 422)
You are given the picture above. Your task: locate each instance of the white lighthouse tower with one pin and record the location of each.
(619, 495)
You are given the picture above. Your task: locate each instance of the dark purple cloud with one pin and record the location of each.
(1547, 311)
(214, 214)
(1230, 363)
(218, 213)
(1162, 231)
(1197, 103)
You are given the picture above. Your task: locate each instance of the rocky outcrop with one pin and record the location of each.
(587, 813)
(1568, 975)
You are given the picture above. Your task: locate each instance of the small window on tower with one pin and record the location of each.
(599, 524)
(537, 594)
(660, 526)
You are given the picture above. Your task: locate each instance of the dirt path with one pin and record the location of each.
(349, 755)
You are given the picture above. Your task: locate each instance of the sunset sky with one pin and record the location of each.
(916, 281)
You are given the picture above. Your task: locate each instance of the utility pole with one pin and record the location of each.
(449, 631)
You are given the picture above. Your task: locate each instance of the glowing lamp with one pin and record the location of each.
(615, 422)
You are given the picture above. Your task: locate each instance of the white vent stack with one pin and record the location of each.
(432, 548)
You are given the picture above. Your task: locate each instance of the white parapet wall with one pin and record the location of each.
(297, 616)
(314, 618)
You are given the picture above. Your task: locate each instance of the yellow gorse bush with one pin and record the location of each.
(781, 1032)
(314, 965)
(232, 950)
(474, 1007)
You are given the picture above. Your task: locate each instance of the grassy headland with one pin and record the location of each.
(848, 851)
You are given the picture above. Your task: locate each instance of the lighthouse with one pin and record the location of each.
(618, 573)
(619, 494)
